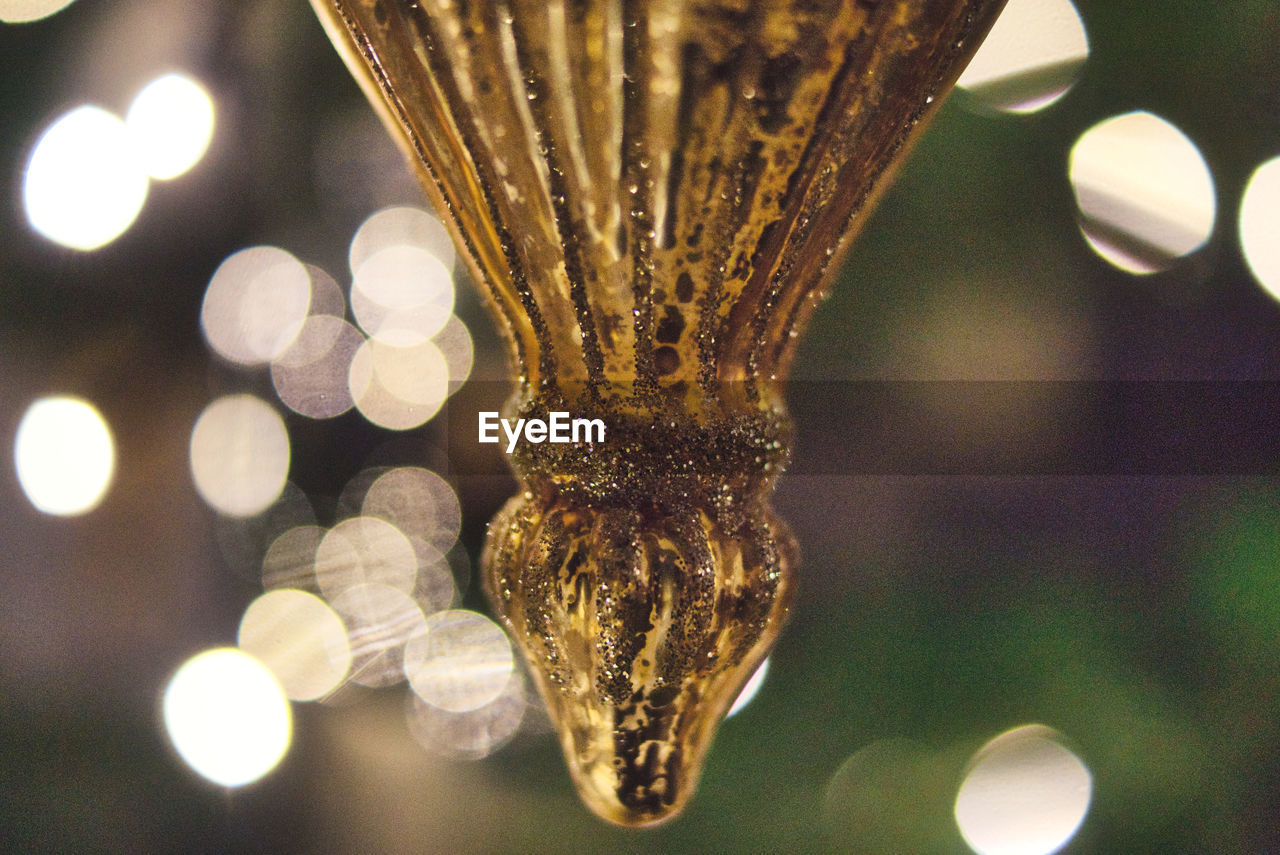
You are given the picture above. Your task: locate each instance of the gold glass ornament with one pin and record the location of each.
(652, 194)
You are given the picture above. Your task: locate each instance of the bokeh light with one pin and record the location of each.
(361, 550)
(290, 560)
(227, 716)
(402, 295)
(64, 455)
(255, 305)
(891, 796)
(24, 11)
(239, 455)
(1025, 794)
(462, 661)
(1260, 225)
(170, 122)
(380, 619)
(455, 344)
(419, 502)
(311, 377)
(469, 735)
(749, 691)
(398, 388)
(300, 639)
(85, 183)
(1144, 192)
(403, 225)
(1030, 59)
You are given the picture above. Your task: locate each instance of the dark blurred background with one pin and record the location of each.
(1029, 486)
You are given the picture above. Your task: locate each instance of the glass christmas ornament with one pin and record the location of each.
(652, 195)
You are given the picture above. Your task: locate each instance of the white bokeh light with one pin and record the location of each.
(363, 550)
(300, 639)
(227, 716)
(379, 620)
(398, 388)
(170, 122)
(64, 455)
(400, 226)
(462, 661)
(402, 295)
(311, 377)
(1260, 225)
(1030, 58)
(239, 455)
(25, 11)
(1144, 191)
(85, 183)
(1024, 794)
(256, 304)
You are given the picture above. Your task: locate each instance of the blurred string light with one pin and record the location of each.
(1031, 58)
(239, 455)
(1144, 192)
(263, 306)
(390, 593)
(24, 11)
(749, 691)
(1024, 794)
(300, 639)
(64, 455)
(1260, 225)
(89, 173)
(227, 716)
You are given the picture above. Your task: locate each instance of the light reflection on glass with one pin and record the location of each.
(379, 620)
(255, 304)
(170, 122)
(1024, 794)
(398, 388)
(84, 183)
(64, 456)
(461, 662)
(239, 455)
(468, 735)
(749, 691)
(1030, 59)
(1144, 191)
(1260, 225)
(227, 716)
(300, 639)
(361, 550)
